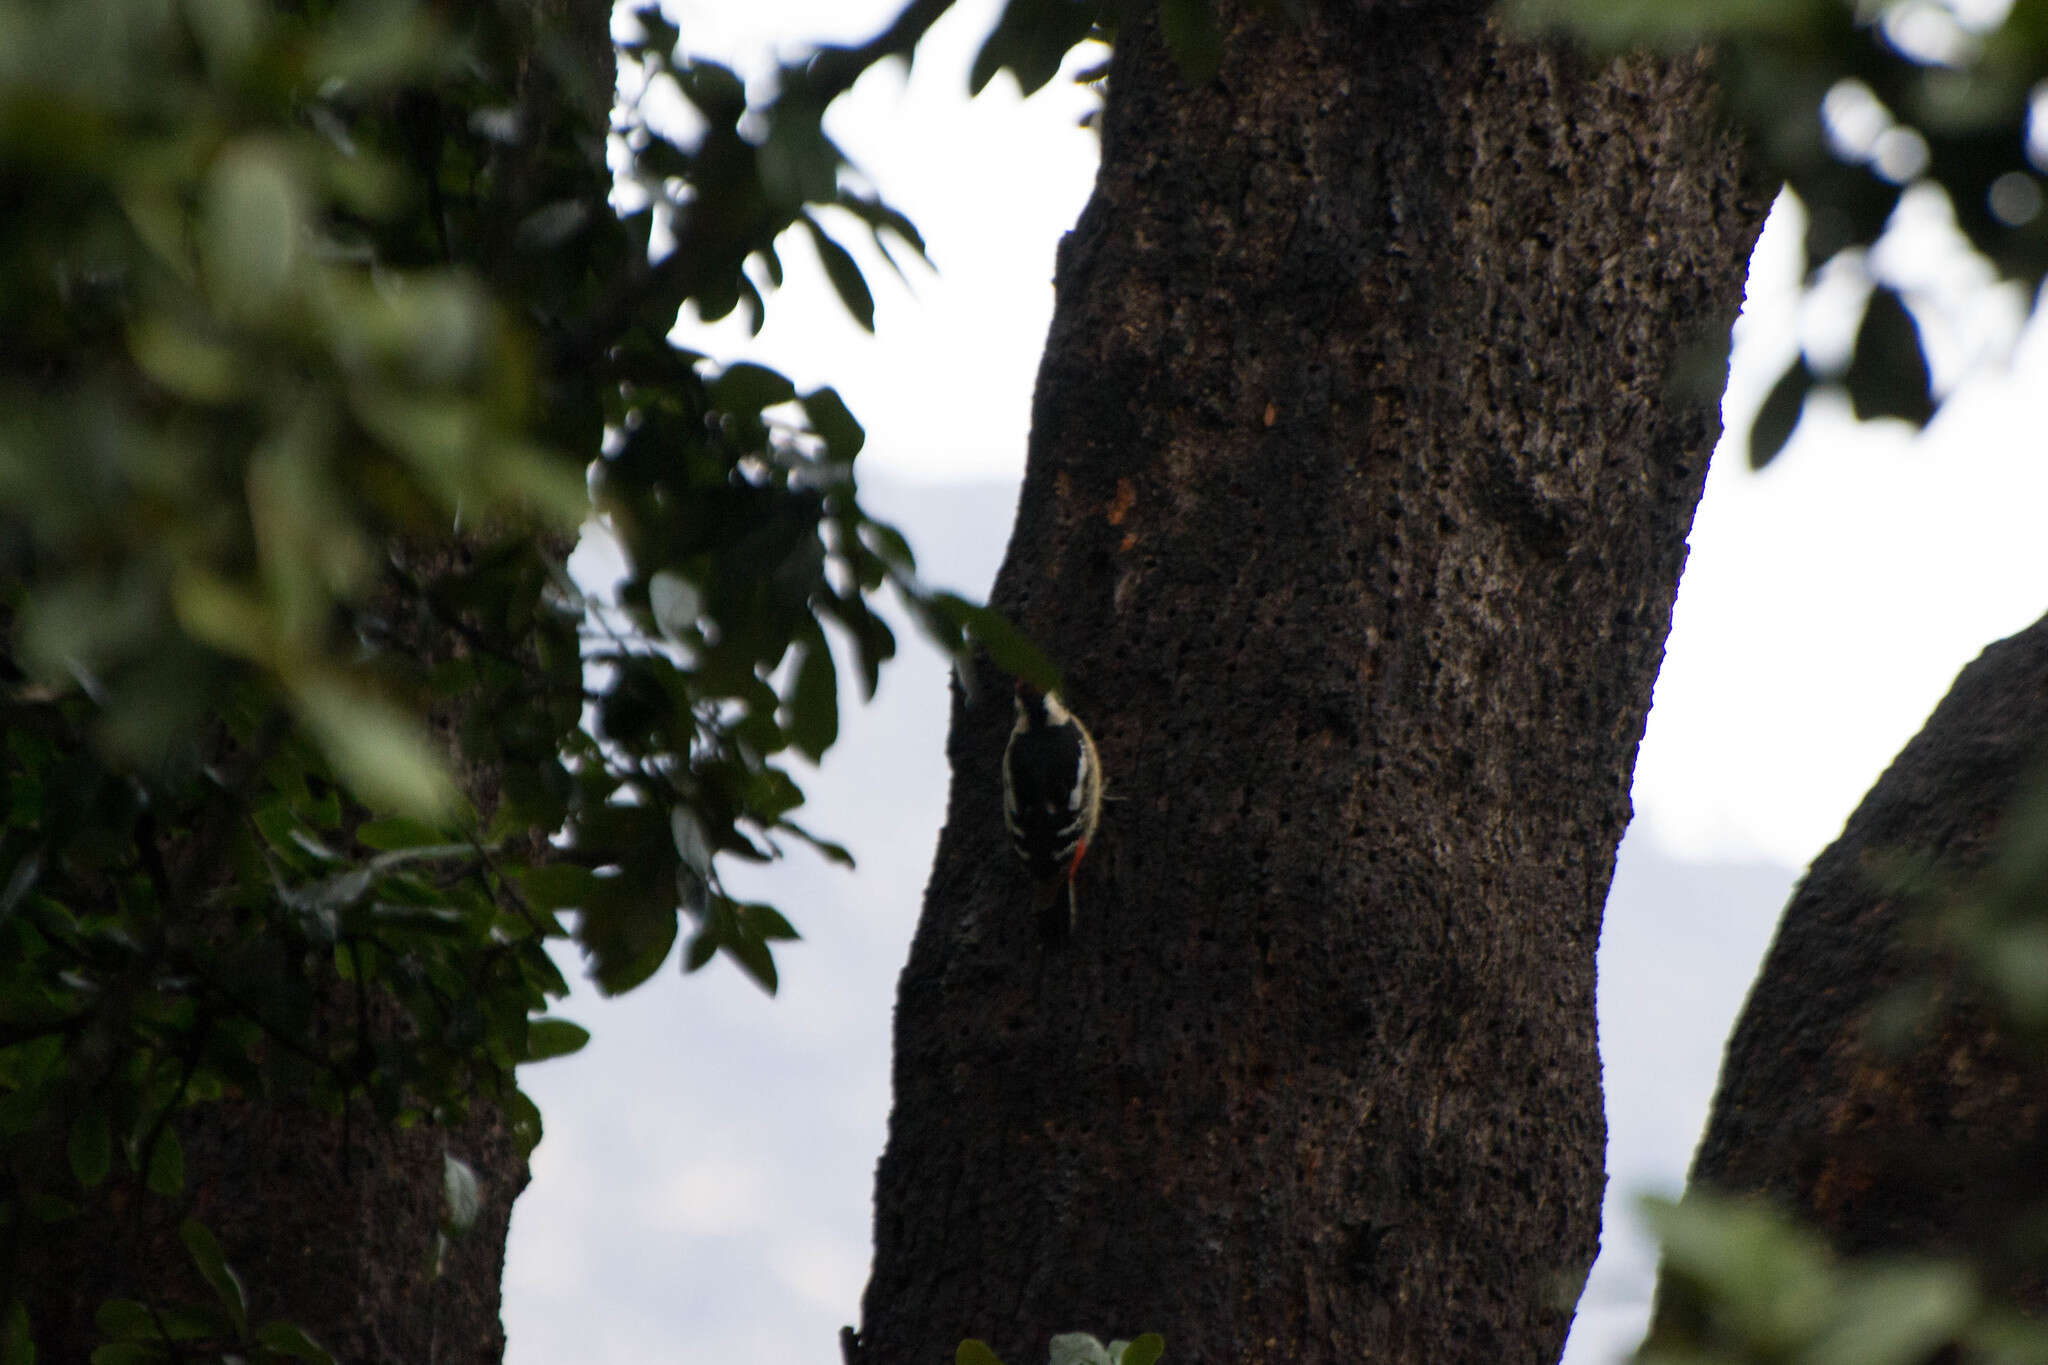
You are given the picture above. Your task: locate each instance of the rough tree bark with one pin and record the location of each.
(1356, 504)
(1937, 1146)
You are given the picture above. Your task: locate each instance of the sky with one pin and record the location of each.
(703, 1192)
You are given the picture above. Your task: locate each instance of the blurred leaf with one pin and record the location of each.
(214, 1269)
(756, 959)
(125, 1318)
(255, 219)
(766, 922)
(627, 931)
(749, 388)
(1030, 40)
(287, 1339)
(1779, 416)
(397, 832)
(1007, 647)
(547, 1038)
(191, 366)
(845, 276)
(975, 1352)
(17, 1343)
(814, 699)
(1896, 1315)
(167, 1164)
(1888, 375)
(835, 425)
(381, 752)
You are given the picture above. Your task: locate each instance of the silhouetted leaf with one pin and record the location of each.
(845, 276)
(1779, 414)
(814, 700)
(547, 1038)
(1887, 377)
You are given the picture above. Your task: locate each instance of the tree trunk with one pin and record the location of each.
(1935, 1146)
(1355, 510)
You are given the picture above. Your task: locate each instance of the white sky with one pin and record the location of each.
(703, 1191)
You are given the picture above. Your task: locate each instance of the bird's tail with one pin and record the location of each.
(1058, 911)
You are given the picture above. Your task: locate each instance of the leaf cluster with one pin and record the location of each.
(323, 333)
(1742, 1283)
(1940, 104)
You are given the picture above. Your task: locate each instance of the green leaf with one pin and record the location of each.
(1896, 1315)
(755, 958)
(845, 276)
(397, 832)
(1145, 1350)
(128, 1353)
(90, 1147)
(384, 754)
(167, 1163)
(558, 886)
(214, 1269)
(835, 424)
(1779, 415)
(974, 1351)
(1888, 375)
(125, 1319)
(766, 922)
(547, 1037)
(522, 1115)
(255, 221)
(627, 930)
(461, 1197)
(1030, 40)
(1007, 646)
(17, 1342)
(831, 852)
(191, 366)
(288, 1339)
(746, 387)
(814, 699)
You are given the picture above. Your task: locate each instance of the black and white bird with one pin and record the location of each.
(1052, 799)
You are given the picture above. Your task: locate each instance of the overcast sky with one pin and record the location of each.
(703, 1192)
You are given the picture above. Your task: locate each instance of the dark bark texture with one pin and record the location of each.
(1939, 1143)
(329, 1226)
(1357, 499)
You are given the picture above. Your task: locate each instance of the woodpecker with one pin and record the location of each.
(1052, 798)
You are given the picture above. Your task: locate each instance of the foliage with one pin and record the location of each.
(1854, 105)
(1742, 1282)
(1074, 1348)
(320, 316)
